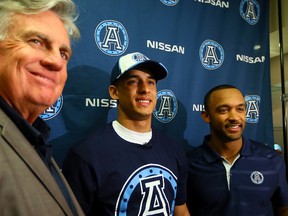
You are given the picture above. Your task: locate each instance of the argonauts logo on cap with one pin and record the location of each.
(137, 60)
(111, 37)
(211, 54)
(250, 11)
(53, 111)
(166, 107)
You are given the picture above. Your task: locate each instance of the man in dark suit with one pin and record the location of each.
(34, 52)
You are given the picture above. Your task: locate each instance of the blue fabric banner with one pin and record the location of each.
(202, 43)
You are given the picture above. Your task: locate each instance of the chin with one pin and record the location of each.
(46, 102)
(234, 138)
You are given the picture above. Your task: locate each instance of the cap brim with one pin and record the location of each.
(158, 70)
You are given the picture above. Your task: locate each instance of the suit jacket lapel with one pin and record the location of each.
(28, 154)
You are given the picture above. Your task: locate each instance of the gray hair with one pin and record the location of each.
(65, 9)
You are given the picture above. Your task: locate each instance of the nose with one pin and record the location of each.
(234, 115)
(143, 87)
(53, 61)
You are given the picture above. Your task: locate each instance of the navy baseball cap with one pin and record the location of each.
(137, 60)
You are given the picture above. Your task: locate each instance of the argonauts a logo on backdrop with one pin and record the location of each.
(53, 110)
(111, 37)
(252, 108)
(170, 2)
(166, 107)
(211, 54)
(250, 11)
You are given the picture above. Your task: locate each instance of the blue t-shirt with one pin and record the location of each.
(110, 175)
(257, 179)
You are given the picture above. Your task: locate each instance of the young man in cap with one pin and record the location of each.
(130, 168)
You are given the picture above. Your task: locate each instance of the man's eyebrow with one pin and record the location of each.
(43, 37)
(222, 105)
(227, 105)
(35, 33)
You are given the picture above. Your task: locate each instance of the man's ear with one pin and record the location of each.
(113, 91)
(205, 116)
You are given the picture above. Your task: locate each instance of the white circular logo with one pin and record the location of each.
(257, 177)
(170, 2)
(111, 37)
(211, 54)
(166, 107)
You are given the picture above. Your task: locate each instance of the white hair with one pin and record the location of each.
(65, 9)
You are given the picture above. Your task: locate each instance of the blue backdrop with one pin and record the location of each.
(202, 43)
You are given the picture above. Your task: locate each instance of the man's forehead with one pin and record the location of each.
(227, 96)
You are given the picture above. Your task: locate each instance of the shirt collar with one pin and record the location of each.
(209, 154)
(247, 148)
(35, 133)
(212, 156)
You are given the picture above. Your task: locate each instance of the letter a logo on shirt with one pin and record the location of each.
(150, 190)
(154, 200)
